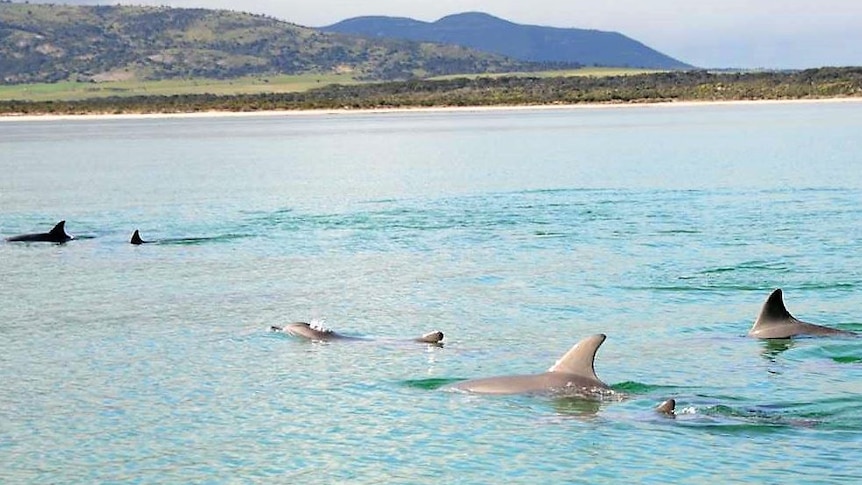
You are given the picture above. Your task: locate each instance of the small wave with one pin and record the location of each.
(847, 359)
(678, 231)
(748, 266)
(379, 201)
(633, 387)
(829, 286)
(723, 269)
(694, 288)
(431, 383)
(841, 353)
(546, 234)
(191, 241)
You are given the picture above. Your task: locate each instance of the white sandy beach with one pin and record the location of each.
(440, 109)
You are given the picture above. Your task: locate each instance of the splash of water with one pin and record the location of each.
(319, 324)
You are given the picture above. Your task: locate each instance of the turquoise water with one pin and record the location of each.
(514, 232)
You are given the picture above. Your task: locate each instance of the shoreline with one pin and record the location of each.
(430, 109)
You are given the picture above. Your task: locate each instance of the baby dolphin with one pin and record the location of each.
(317, 332)
(775, 321)
(574, 374)
(55, 235)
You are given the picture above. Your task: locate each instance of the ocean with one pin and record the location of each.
(516, 232)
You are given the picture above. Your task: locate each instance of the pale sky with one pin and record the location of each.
(710, 33)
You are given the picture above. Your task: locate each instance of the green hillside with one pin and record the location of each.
(51, 43)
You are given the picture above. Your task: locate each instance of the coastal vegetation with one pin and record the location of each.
(486, 91)
(77, 90)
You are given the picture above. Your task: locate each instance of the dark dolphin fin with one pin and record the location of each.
(668, 407)
(58, 233)
(136, 238)
(580, 359)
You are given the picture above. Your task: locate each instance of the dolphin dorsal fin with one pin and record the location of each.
(580, 358)
(668, 407)
(773, 309)
(59, 229)
(136, 238)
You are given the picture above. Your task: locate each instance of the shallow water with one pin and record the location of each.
(514, 232)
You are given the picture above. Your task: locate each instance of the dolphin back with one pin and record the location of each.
(774, 321)
(56, 234)
(307, 331)
(573, 374)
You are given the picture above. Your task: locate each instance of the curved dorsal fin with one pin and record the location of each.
(668, 407)
(773, 309)
(580, 359)
(136, 238)
(59, 230)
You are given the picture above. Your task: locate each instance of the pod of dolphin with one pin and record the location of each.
(572, 375)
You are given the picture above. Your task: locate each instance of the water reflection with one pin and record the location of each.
(772, 348)
(576, 407)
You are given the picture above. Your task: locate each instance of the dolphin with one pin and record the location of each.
(775, 321)
(319, 333)
(720, 414)
(573, 374)
(55, 235)
(137, 240)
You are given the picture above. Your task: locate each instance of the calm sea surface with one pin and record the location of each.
(516, 233)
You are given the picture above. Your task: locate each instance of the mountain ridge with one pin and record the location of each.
(50, 43)
(532, 43)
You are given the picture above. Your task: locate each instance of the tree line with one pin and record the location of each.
(488, 91)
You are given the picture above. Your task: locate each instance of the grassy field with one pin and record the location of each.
(70, 91)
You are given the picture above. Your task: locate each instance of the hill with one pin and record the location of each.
(50, 43)
(523, 42)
